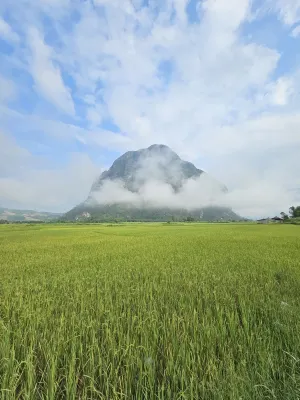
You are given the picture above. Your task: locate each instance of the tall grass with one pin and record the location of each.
(150, 312)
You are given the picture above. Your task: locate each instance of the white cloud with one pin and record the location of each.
(94, 115)
(289, 10)
(260, 189)
(226, 15)
(6, 32)
(25, 124)
(12, 157)
(47, 75)
(151, 183)
(263, 134)
(26, 182)
(109, 140)
(7, 90)
(207, 77)
(203, 88)
(258, 199)
(180, 8)
(281, 91)
(296, 31)
(55, 3)
(155, 193)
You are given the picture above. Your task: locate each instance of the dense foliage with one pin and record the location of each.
(123, 212)
(294, 217)
(295, 211)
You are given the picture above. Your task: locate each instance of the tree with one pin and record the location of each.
(294, 211)
(284, 216)
(291, 211)
(190, 219)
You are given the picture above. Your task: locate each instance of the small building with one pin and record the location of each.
(278, 220)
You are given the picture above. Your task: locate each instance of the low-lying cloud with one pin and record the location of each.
(153, 182)
(194, 193)
(260, 199)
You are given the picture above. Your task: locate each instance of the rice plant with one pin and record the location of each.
(150, 311)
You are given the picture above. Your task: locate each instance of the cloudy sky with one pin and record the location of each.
(83, 81)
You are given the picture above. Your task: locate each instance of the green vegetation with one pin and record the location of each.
(294, 217)
(157, 311)
(129, 213)
(294, 212)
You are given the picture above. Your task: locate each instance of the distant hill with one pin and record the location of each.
(12, 215)
(145, 185)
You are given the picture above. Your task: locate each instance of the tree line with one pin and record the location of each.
(294, 212)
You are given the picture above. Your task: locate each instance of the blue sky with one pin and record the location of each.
(82, 81)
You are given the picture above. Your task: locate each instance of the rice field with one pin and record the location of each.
(150, 311)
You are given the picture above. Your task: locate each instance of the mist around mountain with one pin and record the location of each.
(154, 184)
(13, 215)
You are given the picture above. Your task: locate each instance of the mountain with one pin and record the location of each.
(152, 184)
(11, 215)
(167, 167)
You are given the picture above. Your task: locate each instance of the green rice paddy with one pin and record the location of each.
(150, 311)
